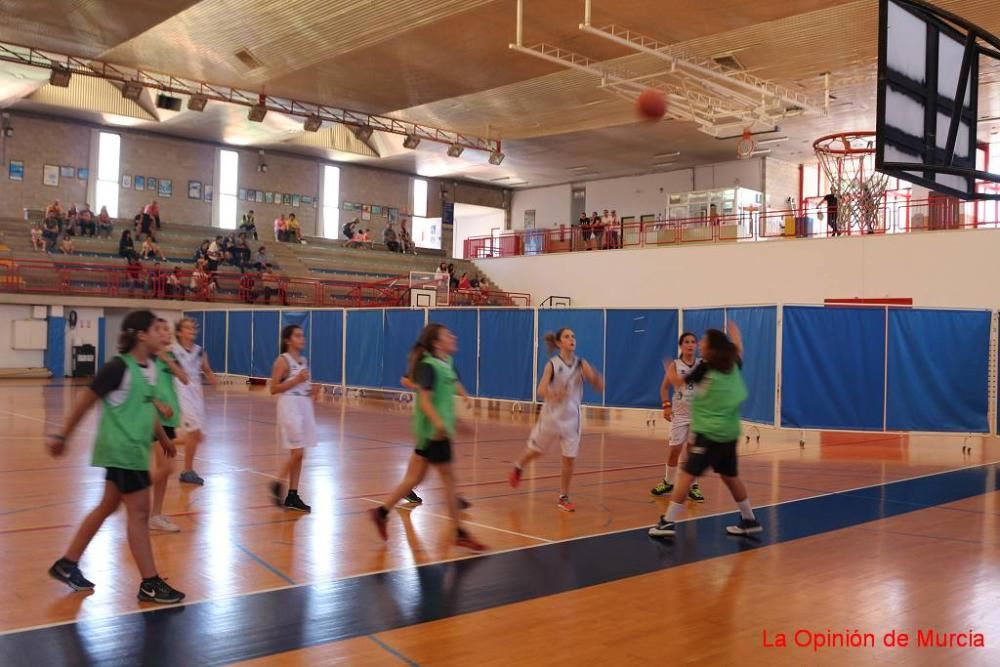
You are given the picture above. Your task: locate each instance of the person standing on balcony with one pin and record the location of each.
(831, 213)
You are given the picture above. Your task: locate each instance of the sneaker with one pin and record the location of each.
(277, 492)
(159, 591)
(293, 502)
(412, 498)
(565, 504)
(661, 489)
(160, 522)
(463, 504)
(695, 495)
(380, 520)
(663, 529)
(745, 527)
(191, 477)
(70, 575)
(467, 541)
(515, 477)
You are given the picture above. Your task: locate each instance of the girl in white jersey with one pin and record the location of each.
(561, 420)
(678, 413)
(296, 415)
(194, 362)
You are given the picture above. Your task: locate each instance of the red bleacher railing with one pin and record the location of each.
(142, 282)
(895, 216)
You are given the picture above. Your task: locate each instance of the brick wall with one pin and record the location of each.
(285, 175)
(781, 181)
(174, 159)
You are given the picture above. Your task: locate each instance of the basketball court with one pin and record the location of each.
(868, 447)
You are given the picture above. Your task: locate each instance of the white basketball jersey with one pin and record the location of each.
(684, 395)
(567, 379)
(294, 368)
(190, 363)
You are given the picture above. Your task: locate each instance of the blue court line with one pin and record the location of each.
(393, 651)
(267, 566)
(255, 625)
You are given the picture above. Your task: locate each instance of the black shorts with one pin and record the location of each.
(436, 451)
(705, 454)
(171, 432)
(128, 481)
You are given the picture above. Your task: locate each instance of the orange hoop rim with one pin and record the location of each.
(826, 144)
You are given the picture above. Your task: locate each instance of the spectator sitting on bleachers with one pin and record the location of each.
(87, 225)
(248, 224)
(72, 220)
(215, 254)
(104, 223)
(463, 282)
(50, 232)
(37, 240)
(272, 285)
(406, 244)
(474, 282)
(248, 287)
(175, 284)
(150, 249)
(349, 232)
(202, 251)
(241, 253)
(390, 239)
(133, 273)
(280, 227)
(55, 213)
(158, 282)
(366, 239)
(201, 283)
(294, 230)
(152, 211)
(126, 247)
(452, 278)
(261, 260)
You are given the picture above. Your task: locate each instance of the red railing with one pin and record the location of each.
(895, 216)
(142, 282)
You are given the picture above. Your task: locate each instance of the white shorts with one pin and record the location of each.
(296, 421)
(192, 410)
(543, 436)
(679, 432)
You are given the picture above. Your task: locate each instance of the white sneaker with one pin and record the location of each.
(160, 522)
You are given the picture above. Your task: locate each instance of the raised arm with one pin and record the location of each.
(592, 376)
(736, 337)
(174, 367)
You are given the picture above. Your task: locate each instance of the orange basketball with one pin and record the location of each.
(651, 104)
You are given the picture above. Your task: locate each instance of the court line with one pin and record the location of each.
(442, 561)
(393, 651)
(263, 563)
(471, 523)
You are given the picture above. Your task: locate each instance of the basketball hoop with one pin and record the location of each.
(747, 145)
(848, 160)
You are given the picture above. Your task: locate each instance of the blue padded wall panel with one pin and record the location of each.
(759, 326)
(265, 342)
(506, 354)
(215, 339)
(401, 330)
(464, 323)
(700, 320)
(365, 346)
(239, 345)
(638, 343)
(588, 325)
(199, 318)
(326, 346)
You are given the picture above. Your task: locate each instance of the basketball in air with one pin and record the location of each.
(651, 105)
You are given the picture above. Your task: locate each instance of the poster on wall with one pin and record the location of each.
(208, 193)
(307, 200)
(296, 201)
(393, 216)
(260, 196)
(127, 181)
(242, 194)
(269, 197)
(50, 175)
(194, 189)
(139, 182)
(529, 219)
(83, 173)
(166, 188)
(286, 199)
(251, 195)
(351, 206)
(376, 210)
(366, 212)
(151, 184)
(16, 170)
(67, 172)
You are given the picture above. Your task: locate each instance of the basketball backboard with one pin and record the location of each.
(928, 95)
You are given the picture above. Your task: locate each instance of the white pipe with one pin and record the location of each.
(520, 22)
(586, 12)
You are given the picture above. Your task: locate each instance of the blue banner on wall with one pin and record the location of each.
(265, 342)
(215, 339)
(326, 346)
(55, 347)
(588, 326)
(401, 330)
(833, 368)
(365, 347)
(239, 345)
(638, 343)
(759, 327)
(464, 323)
(938, 375)
(506, 354)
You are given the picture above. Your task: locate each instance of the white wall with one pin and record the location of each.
(471, 220)
(9, 357)
(940, 269)
(551, 206)
(634, 195)
(781, 181)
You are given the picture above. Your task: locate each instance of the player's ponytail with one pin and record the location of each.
(425, 344)
(552, 339)
(136, 322)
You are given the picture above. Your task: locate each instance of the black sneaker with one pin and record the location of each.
(293, 502)
(277, 492)
(463, 504)
(159, 591)
(412, 498)
(745, 527)
(70, 575)
(663, 529)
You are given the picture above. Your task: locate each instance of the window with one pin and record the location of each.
(229, 165)
(426, 232)
(109, 148)
(331, 202)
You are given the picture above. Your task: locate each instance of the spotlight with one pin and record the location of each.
(60, 76)
(131, 90)
(257, 113)
(197, 102)
(496, 157)
(411, 141)
(363, 132)
(312, 124)
(455, 150)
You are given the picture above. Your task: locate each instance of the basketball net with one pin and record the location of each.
(747, 145)
(848, 161)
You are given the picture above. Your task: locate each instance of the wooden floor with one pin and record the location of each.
(935, 568)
